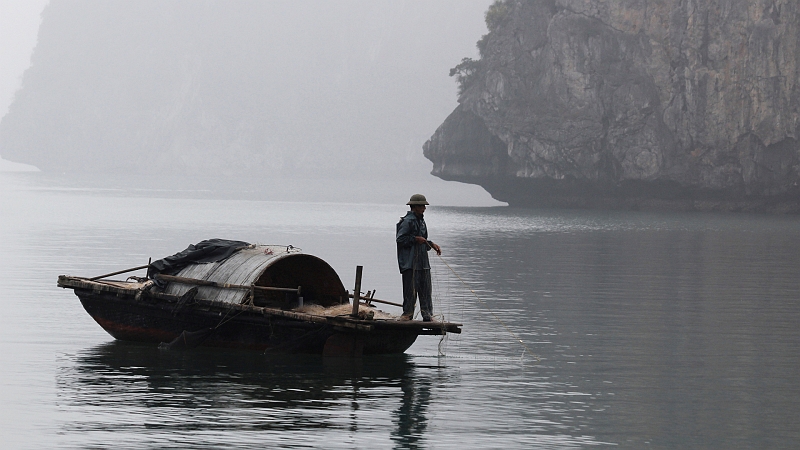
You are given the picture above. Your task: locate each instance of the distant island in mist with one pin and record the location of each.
(665, 105)
(229, 89)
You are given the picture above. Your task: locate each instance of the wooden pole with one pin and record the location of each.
(118, 272)
(357, 290)
(379, 301)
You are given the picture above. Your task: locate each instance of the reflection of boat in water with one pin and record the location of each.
(234, 370)
(212, 393)
(233, 294)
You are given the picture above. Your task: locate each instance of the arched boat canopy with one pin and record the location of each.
(266, 266)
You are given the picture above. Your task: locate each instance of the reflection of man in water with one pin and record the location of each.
(412, 256)
(412, 419)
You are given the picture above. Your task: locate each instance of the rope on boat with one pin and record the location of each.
(192, 339)
(524, 347)
(224, 318)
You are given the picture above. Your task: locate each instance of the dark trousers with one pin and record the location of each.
(417, 283)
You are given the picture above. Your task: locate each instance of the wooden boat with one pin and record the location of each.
(270, 298)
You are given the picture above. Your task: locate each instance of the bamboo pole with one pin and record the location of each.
(376, 300)
(119, 272)
(222, 285)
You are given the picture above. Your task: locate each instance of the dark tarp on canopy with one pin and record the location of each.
(208, 251)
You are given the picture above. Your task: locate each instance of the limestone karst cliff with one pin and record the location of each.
(680, 104)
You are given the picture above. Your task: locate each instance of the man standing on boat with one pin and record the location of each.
(412, 256)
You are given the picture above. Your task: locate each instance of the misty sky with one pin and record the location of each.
(452, 26)
(19, 23)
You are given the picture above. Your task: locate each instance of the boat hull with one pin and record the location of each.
(130, 319)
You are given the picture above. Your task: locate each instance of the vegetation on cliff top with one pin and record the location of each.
(466, 71)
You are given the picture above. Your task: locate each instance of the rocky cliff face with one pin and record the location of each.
(687, 104)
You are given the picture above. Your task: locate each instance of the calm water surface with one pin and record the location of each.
(639, 329)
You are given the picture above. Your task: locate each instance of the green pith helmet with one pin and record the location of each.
(418, 199)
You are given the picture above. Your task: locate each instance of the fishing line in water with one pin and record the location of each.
(483, 303)
(438, 305)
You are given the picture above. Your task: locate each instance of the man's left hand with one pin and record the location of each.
(437, 249)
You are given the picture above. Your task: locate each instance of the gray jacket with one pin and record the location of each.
(409, 253)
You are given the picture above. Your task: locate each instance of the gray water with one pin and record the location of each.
(638, 329)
